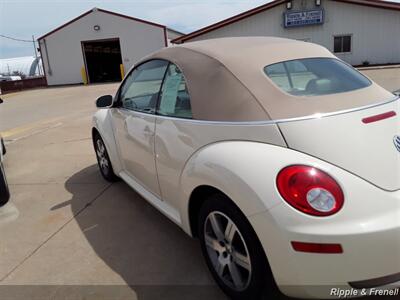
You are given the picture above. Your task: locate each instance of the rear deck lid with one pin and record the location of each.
(363, 141)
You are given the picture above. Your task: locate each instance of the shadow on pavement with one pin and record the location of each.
(151, 254)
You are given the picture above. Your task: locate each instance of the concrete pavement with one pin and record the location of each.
(386, 76)
(74, 235)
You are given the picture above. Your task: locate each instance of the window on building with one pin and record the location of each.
(174, 100)
(342, 44)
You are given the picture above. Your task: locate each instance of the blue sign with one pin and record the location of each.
(303, 18)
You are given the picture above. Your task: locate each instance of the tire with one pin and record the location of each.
(4, 191)
(103, 160)
(237, 253)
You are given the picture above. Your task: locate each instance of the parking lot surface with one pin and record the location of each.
(67, 233)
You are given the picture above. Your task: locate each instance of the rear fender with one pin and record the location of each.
(244, 171)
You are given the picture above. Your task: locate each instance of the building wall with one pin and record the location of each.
(375, 31)
(64, 47)
(172, 34)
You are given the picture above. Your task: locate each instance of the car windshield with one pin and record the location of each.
(315, 76)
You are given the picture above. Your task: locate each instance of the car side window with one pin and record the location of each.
(175, 100)
(141, 88)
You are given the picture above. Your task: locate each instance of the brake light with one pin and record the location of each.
(310, 190)
(380, 117)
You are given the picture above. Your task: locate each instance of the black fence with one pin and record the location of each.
(23, 84)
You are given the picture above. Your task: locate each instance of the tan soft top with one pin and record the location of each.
(226, 80)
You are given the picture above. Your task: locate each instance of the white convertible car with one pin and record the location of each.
(282, 159)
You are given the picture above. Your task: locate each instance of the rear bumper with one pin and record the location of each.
(376, 282)
(368, 229)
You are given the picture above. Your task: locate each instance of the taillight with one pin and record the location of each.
(310, 190)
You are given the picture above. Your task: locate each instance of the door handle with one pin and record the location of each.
(148, 132)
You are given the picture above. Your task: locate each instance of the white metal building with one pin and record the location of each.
(173, 34)
(98, 46)
(358, 31)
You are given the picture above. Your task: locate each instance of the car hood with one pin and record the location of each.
(362, 141)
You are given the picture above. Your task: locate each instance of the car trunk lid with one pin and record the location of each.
(363, 141)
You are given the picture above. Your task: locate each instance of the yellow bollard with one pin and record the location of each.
(84, 78)
(121, 68)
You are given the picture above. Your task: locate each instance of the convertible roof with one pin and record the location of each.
(260, 51)
(226, 80)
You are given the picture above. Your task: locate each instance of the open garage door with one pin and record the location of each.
(103, 60)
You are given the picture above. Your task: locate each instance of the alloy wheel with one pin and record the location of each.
(102, 156)
(227, 251)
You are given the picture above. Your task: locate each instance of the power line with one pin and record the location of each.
(15, 39)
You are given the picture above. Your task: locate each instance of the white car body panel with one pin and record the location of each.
(365, 150)
(162, 206)
(367, 227)
(178, 153)
(134, 133)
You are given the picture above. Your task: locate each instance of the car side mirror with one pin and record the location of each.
(1, 100)
(104, 101)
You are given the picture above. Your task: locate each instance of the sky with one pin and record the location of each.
(23, 18)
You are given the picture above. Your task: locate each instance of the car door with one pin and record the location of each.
(134, 122)
(175, 137)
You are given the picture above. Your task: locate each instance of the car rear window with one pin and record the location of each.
(315, 76)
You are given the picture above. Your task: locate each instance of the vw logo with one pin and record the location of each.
(396, 141)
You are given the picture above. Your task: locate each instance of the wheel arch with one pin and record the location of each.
(94, 132)
(198, 196)
(102, 125)
(248, 180)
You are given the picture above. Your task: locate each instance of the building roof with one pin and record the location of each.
(267, 6)
(104, 11)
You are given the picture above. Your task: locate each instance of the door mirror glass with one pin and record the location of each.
(104, 101)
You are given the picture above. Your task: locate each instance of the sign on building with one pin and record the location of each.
(303, 18)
